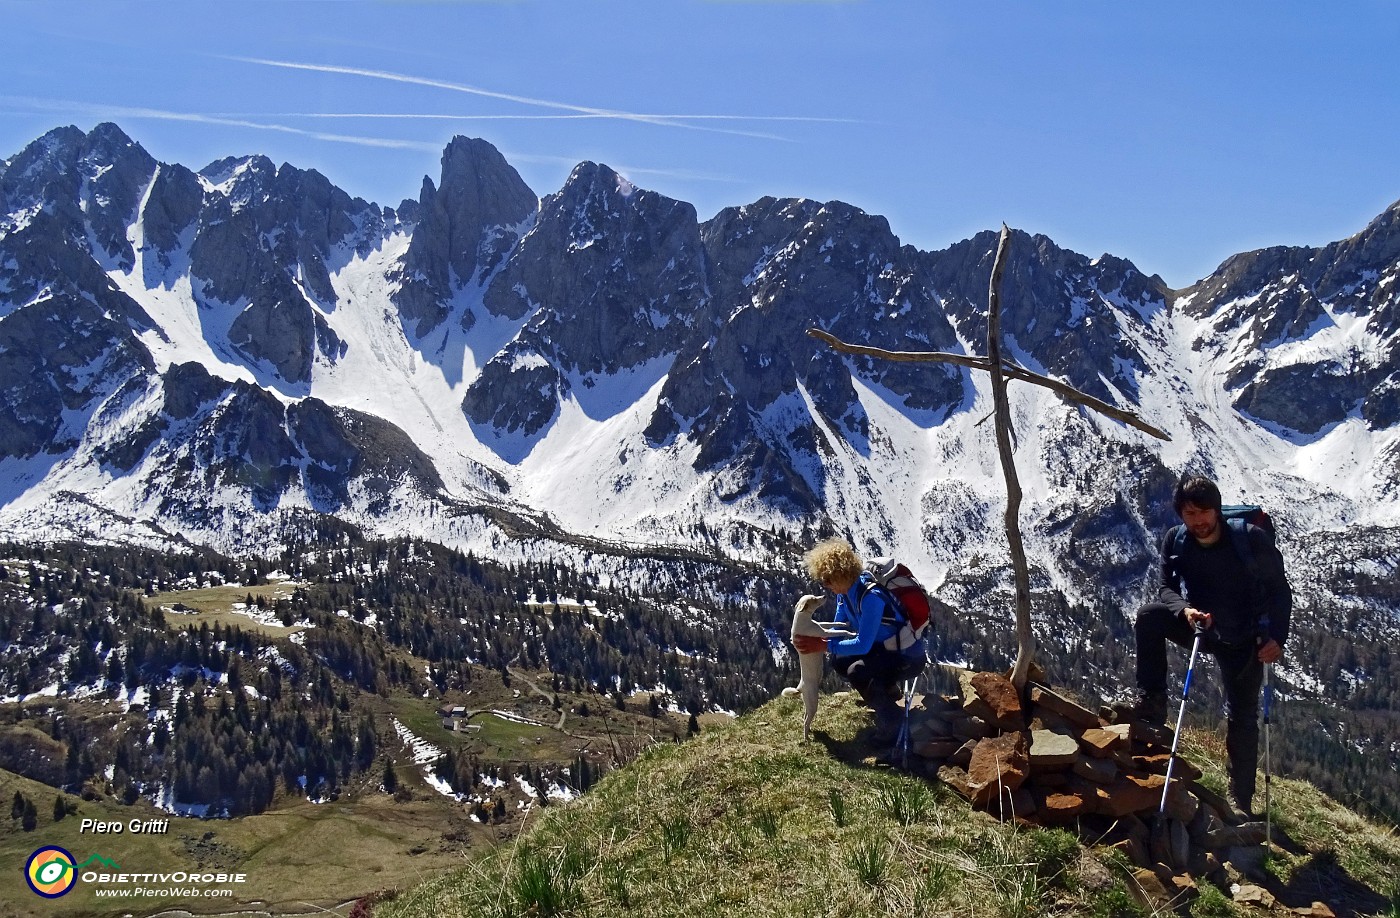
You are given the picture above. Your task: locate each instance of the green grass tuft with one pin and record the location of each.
(869, 860)
(1212, 903)
(838, 808)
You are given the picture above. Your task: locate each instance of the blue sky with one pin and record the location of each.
(1171, 134)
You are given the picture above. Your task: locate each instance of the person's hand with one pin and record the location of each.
(808, 644)
(1270, 652)
(1195, 618)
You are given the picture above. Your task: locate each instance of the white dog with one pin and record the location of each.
(811, 663)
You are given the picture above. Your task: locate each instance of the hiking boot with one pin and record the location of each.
(1146, 707)
(889, 717)
(1242, 806)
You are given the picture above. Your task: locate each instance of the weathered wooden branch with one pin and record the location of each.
(1025, 636)
(1011, 370)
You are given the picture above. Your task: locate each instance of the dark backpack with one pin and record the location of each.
(1235, 517)
(907, 603)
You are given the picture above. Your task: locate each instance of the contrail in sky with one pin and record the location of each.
(680, 121)
(575, 117)
(117, 111)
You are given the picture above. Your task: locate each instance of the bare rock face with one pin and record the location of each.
(244, 438)
(68, 337)
(774, 269)
(115, 170)
(464, 228)
(613, 276)
(57, 365)
(287, 334)
(92, 183)
(518, 391)
(171, 209)
(1274, 297)
(262, 241)
(1063, 305)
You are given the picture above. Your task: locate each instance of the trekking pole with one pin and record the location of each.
(1268, 817)
(1181, 715)
(902, 741)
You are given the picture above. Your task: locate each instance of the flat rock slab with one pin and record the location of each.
(1056, 808)
(1051, 750)
(1100, 771)
(1252, 895)
(1042, 697)
(1101, 743)
(1130, 794)
(1241, 836)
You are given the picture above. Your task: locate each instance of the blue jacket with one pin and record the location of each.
(862, 610)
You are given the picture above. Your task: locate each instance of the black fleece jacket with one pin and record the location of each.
(1217, 580)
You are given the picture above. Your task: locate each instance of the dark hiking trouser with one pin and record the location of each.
(876, 676)
(1240, 671)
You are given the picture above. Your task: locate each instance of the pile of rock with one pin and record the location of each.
(1057, 763)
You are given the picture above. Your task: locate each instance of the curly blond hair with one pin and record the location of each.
(833, 559)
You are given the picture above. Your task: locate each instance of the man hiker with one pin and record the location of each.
(1241, 602)
(869, 661)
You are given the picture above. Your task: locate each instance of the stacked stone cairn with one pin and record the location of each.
(1060, 764)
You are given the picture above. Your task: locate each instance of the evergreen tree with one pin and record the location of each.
(31, 816)
(391, 780)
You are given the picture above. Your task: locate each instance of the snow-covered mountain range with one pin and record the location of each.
(229, 356)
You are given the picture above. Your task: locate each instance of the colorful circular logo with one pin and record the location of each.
(50, 872)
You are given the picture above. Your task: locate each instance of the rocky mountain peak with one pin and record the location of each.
(673, 347)
(465, 226)
(615, 278)
(1057, 306)
(1317, 330)
(44, 172)
(90, 181)
(263, 238)
(241, 180)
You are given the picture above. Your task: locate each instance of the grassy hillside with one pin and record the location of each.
(298, 857)
(747, 820)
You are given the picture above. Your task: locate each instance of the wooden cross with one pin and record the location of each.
(1000, 370)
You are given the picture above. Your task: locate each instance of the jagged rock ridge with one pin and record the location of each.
(603, 359)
